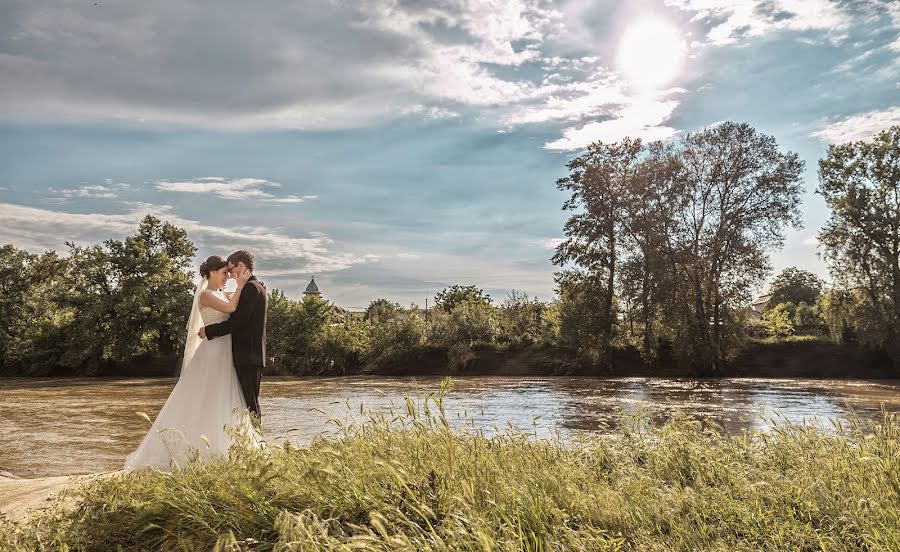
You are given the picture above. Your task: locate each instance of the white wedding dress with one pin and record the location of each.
(206, 409)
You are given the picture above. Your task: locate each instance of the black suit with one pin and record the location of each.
(247, 326)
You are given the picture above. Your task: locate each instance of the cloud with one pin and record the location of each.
(736, 20)
(307, 65)
(551, 243)
(643, 118)
(859, 127)
(573, 100)
(108, 190)
(38, 229)
(433, 112)
(237, 188)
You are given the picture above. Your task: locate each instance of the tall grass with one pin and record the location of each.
(406, 480)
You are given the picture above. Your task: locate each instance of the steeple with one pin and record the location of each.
(312, 288)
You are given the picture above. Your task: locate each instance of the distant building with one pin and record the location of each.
(759, 305)
(312, 289)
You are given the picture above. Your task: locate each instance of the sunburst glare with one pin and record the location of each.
(651, 53)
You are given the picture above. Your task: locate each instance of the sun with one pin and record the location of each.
(650, 53)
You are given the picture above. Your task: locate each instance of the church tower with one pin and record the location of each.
(312, 288)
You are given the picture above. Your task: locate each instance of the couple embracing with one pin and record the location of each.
(216, 398)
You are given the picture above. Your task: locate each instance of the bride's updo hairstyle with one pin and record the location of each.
(212, 264)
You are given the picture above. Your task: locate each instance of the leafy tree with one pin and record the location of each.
(471, 322)
(649, 269)
(580, 312)
(807, 319)
(860, 182)
(741, 192)
(796, 286)
(382, 309)
(395, 335)
(521, 319)
(778, 321)
(14, 286)
(598, 182)
(150, 270)
(452, 296)
(293, 333)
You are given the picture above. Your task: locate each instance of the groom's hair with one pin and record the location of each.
(242, 256)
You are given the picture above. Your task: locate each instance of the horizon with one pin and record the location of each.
(395, 149)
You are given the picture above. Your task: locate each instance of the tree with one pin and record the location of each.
(452, 296)
(796, 286)
(152, 287)
(648, 269)
(395, 335)
(778, 321)
(382, 309)
(14, 286)
(860, 182)
(521, 318)
(741, 192)
(580, 314)
(598, 182)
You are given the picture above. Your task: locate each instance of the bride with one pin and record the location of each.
(206, 410)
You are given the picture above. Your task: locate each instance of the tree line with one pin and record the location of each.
(665, 243)
(670, 240)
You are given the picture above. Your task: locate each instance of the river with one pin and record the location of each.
(75, 426)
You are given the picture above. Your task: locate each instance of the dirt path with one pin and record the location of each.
(20, 498)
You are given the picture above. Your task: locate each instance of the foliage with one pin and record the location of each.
(523, 321)
(309, 337)
(471, 321)
(860, 182)
(396, 335)
(452, 296)
(98, 305)
(796, 286)
(778, 320)
(679, 233)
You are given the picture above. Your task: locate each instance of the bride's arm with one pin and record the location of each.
(209, 299)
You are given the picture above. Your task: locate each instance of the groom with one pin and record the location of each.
(247, 326)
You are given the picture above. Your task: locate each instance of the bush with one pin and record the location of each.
(395, 336)
(778, 320)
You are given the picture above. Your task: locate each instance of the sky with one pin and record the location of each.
(392, 148)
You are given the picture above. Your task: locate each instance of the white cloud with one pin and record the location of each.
(38, 229)
(310, 65)
(739, 19)
(859, 127)
(108, 190)
(236, 188)
(551, 243)
(643, 118)
(572, 101)
(432, 112)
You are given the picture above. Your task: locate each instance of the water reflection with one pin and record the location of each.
(55, 426)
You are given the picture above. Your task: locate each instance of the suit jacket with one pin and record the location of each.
(247, 325)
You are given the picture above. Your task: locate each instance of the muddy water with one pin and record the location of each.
(75, 426)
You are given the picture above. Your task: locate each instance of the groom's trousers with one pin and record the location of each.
(249, 376)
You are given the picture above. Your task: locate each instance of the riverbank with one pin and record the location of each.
(766, 358)
(406, 481)
(787, 358)
(21, 499)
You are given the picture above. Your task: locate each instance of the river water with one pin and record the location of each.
(74, 426)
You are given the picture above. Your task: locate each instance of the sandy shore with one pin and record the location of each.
(21, 498)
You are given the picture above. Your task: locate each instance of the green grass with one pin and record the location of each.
(407, 481)
(791, 339)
